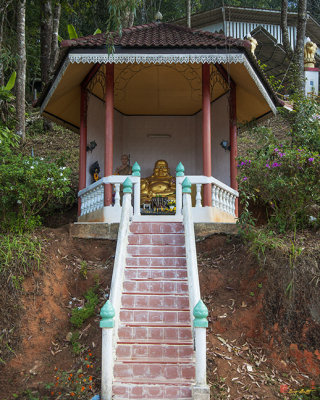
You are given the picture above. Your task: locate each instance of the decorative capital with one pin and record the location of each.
(127, 186)
(180, 169)
(186, 186)
(200, 313)
(107, 314)
(136, 169)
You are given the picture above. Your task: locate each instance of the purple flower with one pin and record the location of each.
(275, 164)
(244, 178)
(281, 154)
(238, 165)
(276, 149)
(311, 159)
(243, 163)
(267, 166)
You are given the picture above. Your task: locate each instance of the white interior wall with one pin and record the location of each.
(132, 136)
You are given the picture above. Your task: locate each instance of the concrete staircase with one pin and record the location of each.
(154, 353)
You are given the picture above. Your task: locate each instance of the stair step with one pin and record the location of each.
(156, 227)
(161, 352)
(155, 274)
(156, 251)
(154, 317)
(160, 287)
(153, 371)
(155, 302)
(156, 262)
(154, 334)
(176, 239)
(146, 391)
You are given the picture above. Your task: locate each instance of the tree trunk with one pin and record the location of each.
(21, 70)
(45, 47)
(45, 39)
(4, 4)
(2, 15)
(189, 13)
(299, 50)
(284, 29)
(296, 55)
(143, 12)
(54, 52)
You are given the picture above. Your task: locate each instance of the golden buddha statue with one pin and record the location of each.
(160, 183)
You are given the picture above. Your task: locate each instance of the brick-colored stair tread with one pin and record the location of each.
(156, 261)
(166, 361)
(184, 342)
(156, 391)
(162, 287)
(172, 239)
(155, 273)
(161, 352)
(162, 316)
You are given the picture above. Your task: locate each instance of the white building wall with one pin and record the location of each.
(138, 137)
(240, 30)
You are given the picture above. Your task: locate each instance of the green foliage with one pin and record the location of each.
(80, 315)
(283, 176)
(28, 186)
(72, 32)
(76, 346)
(79, 383)
(20, 255)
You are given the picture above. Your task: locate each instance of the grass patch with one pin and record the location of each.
(20, 256)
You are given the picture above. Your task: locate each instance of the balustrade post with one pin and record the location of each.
(117, 195)
(198, 195)
(136, 194)
(200, 391)
(107, 324)
(179, 179)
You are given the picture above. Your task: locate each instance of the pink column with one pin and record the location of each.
(206, 131)
(108, 149)
(83, 143)
(233, 140)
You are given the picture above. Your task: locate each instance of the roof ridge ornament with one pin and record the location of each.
(158, 17)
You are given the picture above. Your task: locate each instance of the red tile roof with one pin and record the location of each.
(159, 35)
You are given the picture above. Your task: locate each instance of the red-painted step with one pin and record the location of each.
(154, 353)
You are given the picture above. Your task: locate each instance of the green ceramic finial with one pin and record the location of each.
(136, 169)
(200, 313)
(107, 314)
(127, 186)
(186, 186)
(180, 169)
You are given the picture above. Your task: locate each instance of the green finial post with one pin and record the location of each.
(107, 314)
(186, 186)
(200, 313)
(136, 169)
(180, 169)
(127, 186)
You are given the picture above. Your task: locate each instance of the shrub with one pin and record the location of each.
(283, 176)
(28, 185)
(79, 315)
(285, 180)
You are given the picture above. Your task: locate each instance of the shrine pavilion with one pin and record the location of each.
(158, 92)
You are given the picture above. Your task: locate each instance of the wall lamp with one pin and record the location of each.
(225, 145)
(92, 145)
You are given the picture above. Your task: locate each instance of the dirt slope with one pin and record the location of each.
(247, 358)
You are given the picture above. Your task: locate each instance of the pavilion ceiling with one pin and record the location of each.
(152, 89)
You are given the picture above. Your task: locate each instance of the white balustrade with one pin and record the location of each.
(223, 197)
(92, 197)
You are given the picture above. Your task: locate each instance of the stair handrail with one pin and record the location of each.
(190, 243)
(108, 350)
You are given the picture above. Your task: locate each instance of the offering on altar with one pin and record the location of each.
(159, 184)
